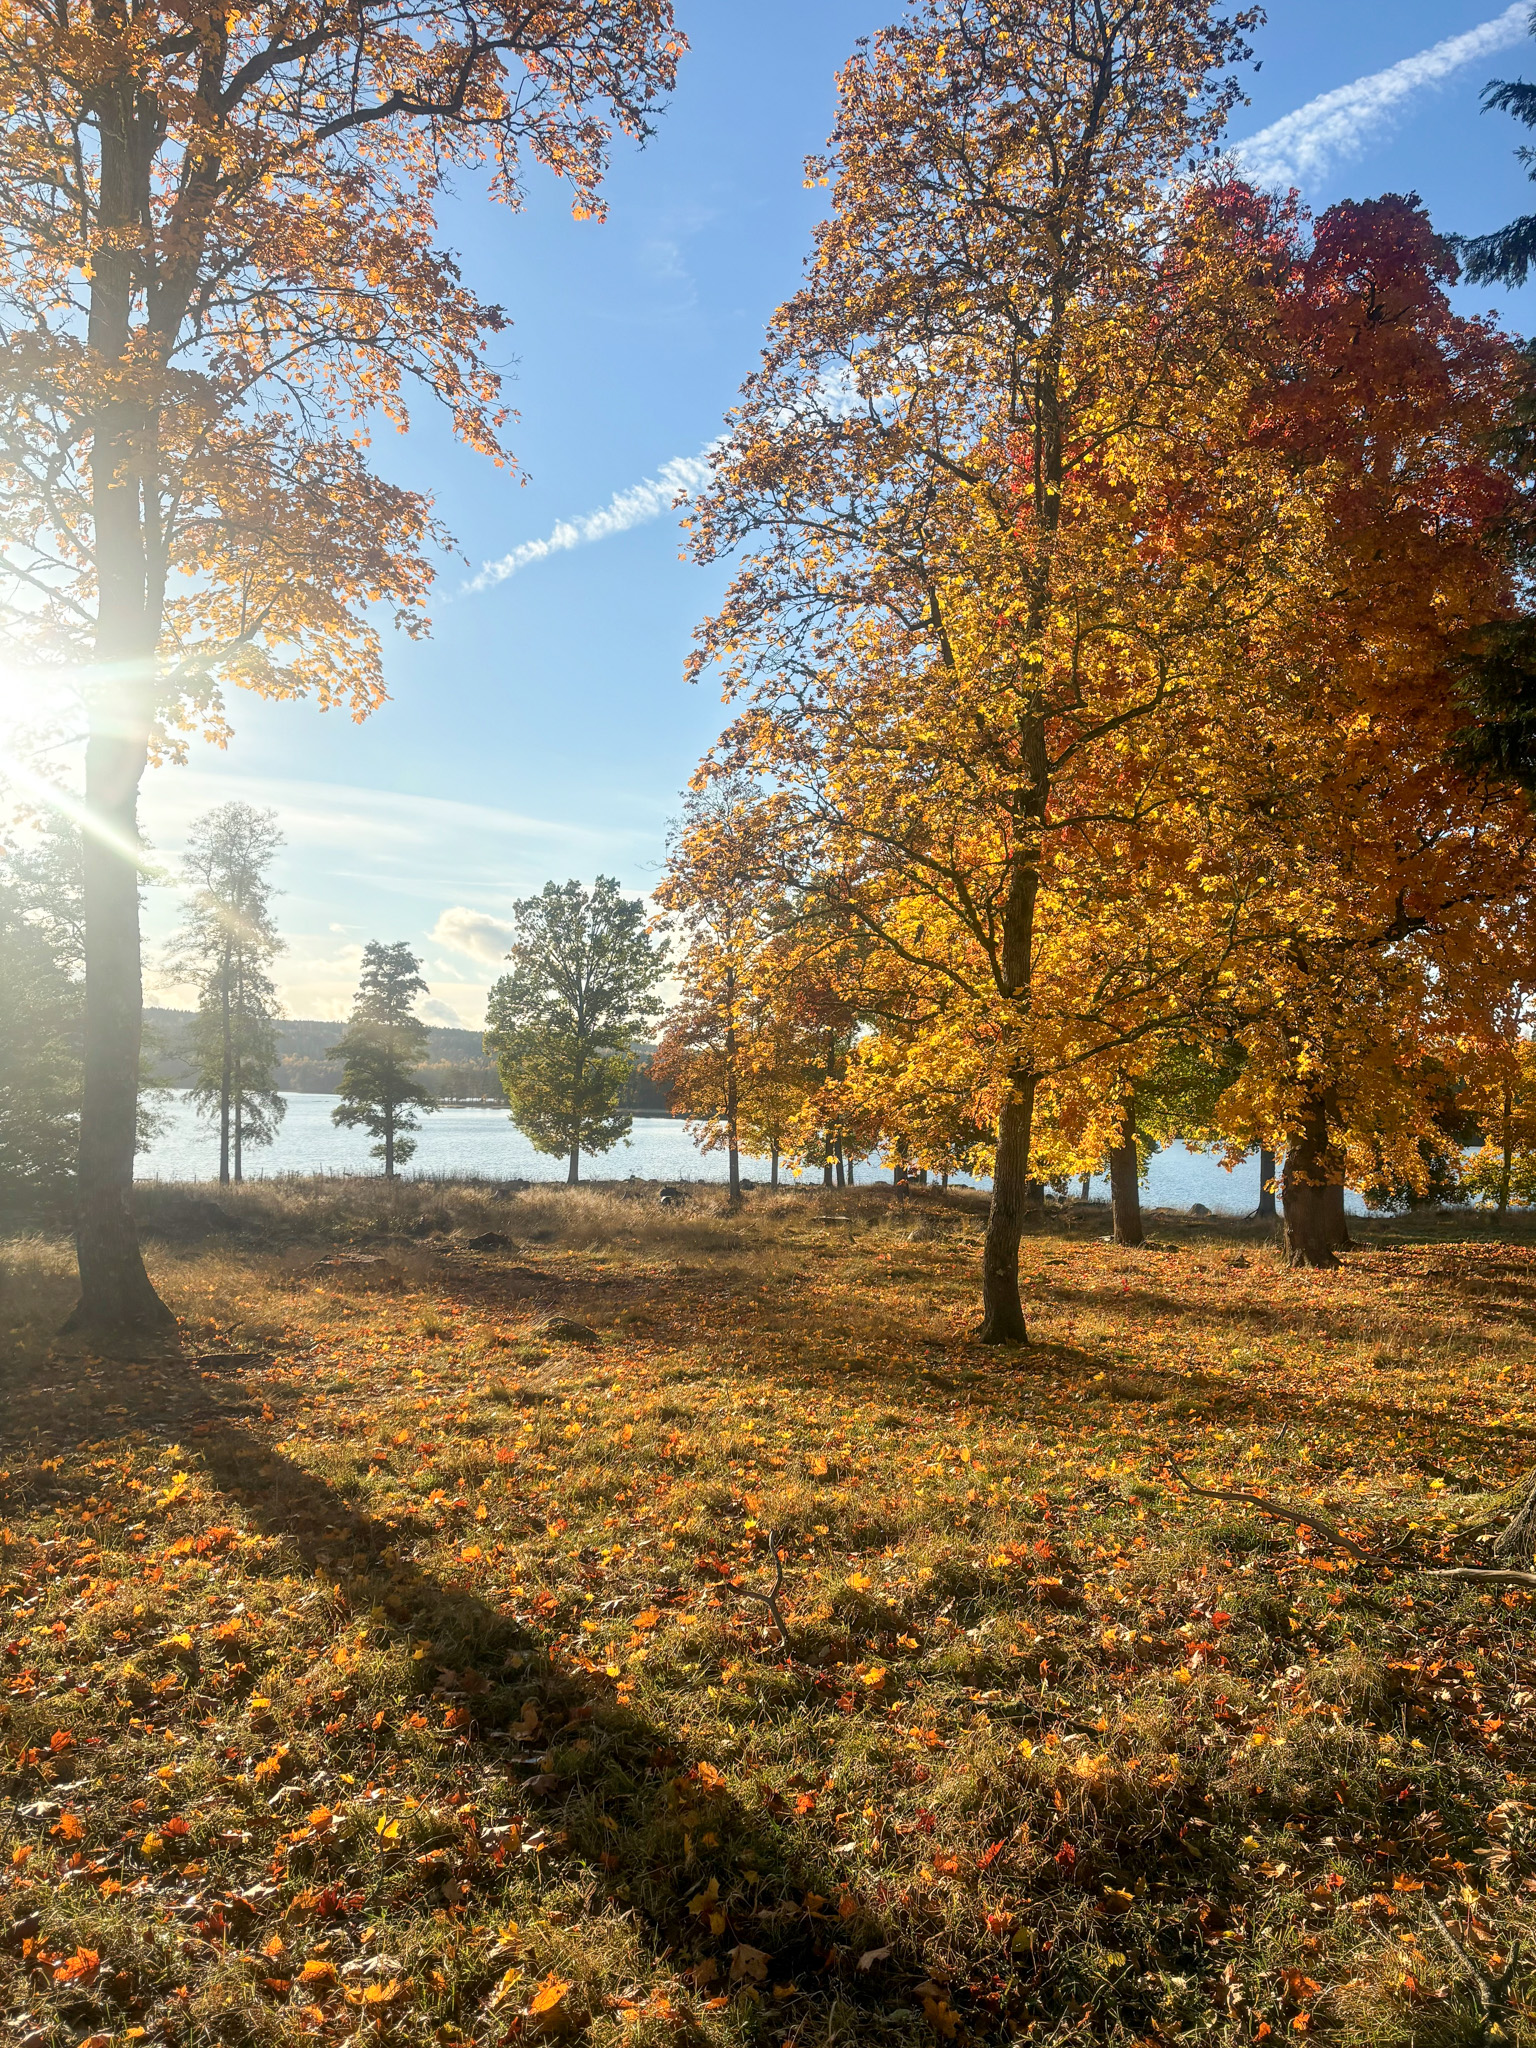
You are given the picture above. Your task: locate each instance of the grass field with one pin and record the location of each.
(384, 1667)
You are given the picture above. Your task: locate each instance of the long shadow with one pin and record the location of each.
(594, 1790)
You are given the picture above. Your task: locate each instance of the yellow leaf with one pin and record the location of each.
(549, 1995)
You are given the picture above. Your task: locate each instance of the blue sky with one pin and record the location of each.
(545, 729)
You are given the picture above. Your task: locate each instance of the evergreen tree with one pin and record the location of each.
(226, 942)
(41, 1005)
(562, 1024)
(380, 1050)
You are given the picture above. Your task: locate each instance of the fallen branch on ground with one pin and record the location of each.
(1304, 1518)
(771, 1600)
(1484, 1575)
(1492, 1992)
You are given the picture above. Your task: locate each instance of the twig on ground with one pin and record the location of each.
(1484, 1576)
(1304, 1518)
(770, 1600)
(1492, 1992)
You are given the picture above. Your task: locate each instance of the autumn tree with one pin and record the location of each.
(221, 264)
(226, 944)
(1400, 872)
(1008, 542)
(383, 1046)
(717, 892)
(562, 1025)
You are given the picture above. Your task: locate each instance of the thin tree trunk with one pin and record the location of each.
(1312, 1167)
(225, 1063)
(826, 1162)
(732, 1093)
(773, 1175)
(837, 1151)
(1084, 1186)
(1266, 1208)
(389, 1144)
(1507, 1152)
(1002, 1310)
(239, 1142)
(1125, 1180)
(573, 1170)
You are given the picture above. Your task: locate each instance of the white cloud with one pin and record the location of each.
(473, 932)
(435, 1011)
(1301, 147)
(642, 502)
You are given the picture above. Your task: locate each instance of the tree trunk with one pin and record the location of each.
(573, 1170)
(1266, 1209)
(1312, 1168)
(1516, 1543)
(1125, 1180)
(225, 1063)
(1507, 1151)
(773, 1170)
(1337, 1216)
(239, 1142)
(826, 1164)
(1084, 1186)
(1002, 1310)
(117, 1302)
(837, 1153)
(732, 1092)
(389, 1144)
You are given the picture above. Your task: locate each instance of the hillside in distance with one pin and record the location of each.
(456, 1067)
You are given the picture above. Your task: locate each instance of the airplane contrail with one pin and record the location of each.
(646, 500)
(1337, 125)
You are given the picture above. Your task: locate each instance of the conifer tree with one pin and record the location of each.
(380, 1050)
(227, 942)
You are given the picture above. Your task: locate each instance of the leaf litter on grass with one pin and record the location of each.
(399, 1680)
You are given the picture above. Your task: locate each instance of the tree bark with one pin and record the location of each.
(1516, 1543)
(1266, 1209)
(573, 1170)
(773, 1171)
(1002, 1310)
(1312, 1167)
(1125, 1180)
(1337, 1215)
(837, 1153)
(117, 1304)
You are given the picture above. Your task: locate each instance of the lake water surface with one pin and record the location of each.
(464, 1140)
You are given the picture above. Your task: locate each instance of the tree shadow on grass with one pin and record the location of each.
(591, 1793)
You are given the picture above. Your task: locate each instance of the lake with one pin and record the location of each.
(463, 1139)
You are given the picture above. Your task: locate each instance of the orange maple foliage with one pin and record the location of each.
(221, 265)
